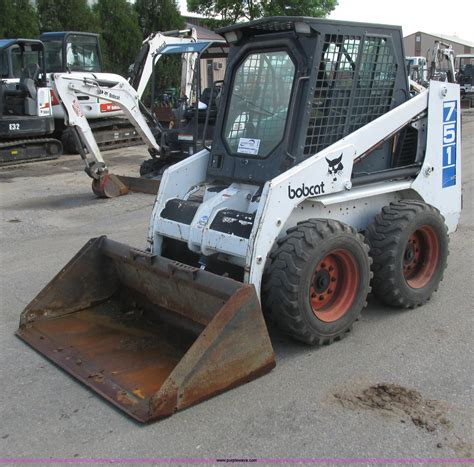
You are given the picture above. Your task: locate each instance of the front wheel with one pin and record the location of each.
(409, 245)
(317, 281)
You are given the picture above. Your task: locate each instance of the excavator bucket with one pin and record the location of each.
(111, 186)
(151, 335)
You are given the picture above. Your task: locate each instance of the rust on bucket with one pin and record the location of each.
(150, 335)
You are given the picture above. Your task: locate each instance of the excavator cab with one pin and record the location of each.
(71, 51)
(25, 104)
(185, 119)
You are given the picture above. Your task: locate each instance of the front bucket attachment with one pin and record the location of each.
(149, 334)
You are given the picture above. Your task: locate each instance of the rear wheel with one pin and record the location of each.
(409, 246)
(317, 281)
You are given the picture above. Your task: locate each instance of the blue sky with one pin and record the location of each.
(452, 18)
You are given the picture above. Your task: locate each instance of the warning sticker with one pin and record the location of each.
(248, 146)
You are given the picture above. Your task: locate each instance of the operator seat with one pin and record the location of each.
(28, 80)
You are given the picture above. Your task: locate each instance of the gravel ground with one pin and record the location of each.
(400, 385)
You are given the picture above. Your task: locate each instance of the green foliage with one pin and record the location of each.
(66, 15)
(317, 9)
(232, 11)
(158, 15)
(121, 35)
(123, 24)
(18, 19)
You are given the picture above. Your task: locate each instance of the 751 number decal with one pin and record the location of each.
(450, 119)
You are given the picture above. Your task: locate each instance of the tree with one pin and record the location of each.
(18, 18)
(158, 15)
(121, 35)
(66, 15)
(232, 11)
(315, 8)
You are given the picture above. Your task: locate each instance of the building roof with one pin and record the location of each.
(445, 37)
(205, 34)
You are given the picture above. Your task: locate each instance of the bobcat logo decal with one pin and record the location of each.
(335, 167)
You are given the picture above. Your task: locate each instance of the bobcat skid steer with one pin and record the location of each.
(325, 178)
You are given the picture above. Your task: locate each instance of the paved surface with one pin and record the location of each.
(293, 411)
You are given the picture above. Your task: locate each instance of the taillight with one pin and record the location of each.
(54, 98)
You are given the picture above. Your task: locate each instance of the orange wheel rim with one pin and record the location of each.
(334, 286)
(421, 257)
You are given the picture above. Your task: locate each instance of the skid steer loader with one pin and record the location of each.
(325, 178)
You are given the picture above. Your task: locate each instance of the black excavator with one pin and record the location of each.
(26, 120)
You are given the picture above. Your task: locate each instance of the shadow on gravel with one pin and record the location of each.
(74, 200)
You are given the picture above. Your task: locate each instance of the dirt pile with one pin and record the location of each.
(424, 413)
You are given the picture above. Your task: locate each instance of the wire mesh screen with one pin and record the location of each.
(259, 103)
(354, 86)
(329, 110)
(374, 91)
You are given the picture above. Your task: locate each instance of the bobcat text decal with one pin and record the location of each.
(305, 191)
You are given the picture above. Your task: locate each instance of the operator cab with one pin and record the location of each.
(25, 109)
(72, 51)
(296, 85)
(16, 55)
(465, 73)
(186, 115)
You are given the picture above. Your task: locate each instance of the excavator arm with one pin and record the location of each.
(126, 94)
(442, 51)
(146, 59)
(120, 92)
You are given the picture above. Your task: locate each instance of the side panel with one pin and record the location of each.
(44, 102)
(439, 182)
(282, 195)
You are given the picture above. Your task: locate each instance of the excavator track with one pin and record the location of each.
(108, 135)
(29, 150)
(117, 138)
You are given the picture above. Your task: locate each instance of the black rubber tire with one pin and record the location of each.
(388, 237)
(147, 167)
(69, 142)
(150, 168)
(289, 273)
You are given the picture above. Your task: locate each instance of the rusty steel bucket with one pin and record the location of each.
(150, 335)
